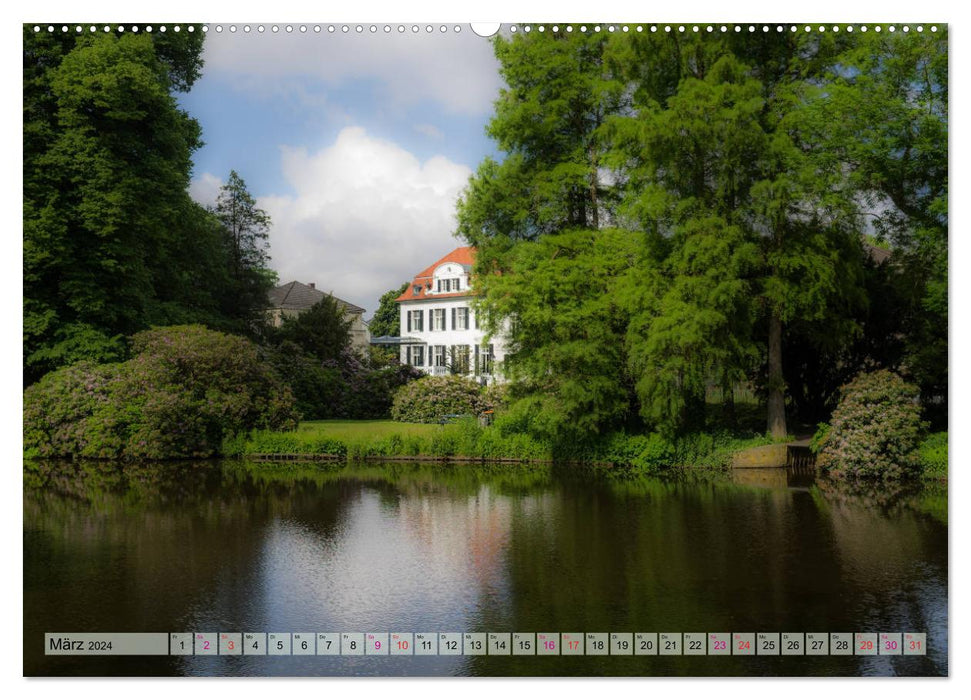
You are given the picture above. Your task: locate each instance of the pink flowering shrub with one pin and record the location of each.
(432, 399)
(58, 407)
(496, 397)
(185, 389)
(875, 430)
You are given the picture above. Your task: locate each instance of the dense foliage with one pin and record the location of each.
(322, 331)
(312, 353)
(675, 215)
(387, 319)
(185, 389)
(933, 456)
(875, 430)
(113, 243)
(435, 399)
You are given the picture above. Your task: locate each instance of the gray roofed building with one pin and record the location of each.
(293, 298)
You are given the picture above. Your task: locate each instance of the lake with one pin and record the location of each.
(230, 546)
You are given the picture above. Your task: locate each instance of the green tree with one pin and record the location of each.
(535, 219)
(323, 330)
(246, 230)
(110, 232)
(885, 120)
(387, 319)
(688, 159)
(743, 227)
(566, 354)
(723, 160)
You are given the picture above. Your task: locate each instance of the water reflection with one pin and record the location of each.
(421, 547)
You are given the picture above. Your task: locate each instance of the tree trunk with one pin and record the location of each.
(594, 203)
(777, 398)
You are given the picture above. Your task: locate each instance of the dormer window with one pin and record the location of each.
(417, 289)
(452, 284)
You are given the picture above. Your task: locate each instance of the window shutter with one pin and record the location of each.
(408, 316)
(453, 318)
(421, 319)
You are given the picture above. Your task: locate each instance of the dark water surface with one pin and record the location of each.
(239, 547)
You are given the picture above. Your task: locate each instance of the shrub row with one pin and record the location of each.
(184, 390)
(651, 453)
(637, 454)
(343, 388)
(465, 438)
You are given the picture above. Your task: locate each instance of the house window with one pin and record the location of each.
(459, 356)
(438, 319)
(439, 357)
(416, 289)
(486, 357)
(460, 319)
(451, 284)
(416, 320)
(415, 355)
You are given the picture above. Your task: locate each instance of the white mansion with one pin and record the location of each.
(440, 333)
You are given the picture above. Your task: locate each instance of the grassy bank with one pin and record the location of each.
(467, 440)
(933, 457)
(384, 439)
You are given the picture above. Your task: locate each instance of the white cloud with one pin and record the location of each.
(205, 189)
(456, 70)
(366, 216)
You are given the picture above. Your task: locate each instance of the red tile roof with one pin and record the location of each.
(462, 256)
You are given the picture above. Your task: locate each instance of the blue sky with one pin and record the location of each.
(357, 144)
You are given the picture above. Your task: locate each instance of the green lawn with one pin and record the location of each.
(351, 430)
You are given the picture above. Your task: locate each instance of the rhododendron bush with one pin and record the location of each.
(183, 391)
(433, 399)
(875, 430)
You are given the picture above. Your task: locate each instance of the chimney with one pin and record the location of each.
(312, 285)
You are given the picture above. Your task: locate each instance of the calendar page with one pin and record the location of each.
(538, 349)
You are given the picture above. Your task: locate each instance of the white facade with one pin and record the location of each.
(440, 333)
